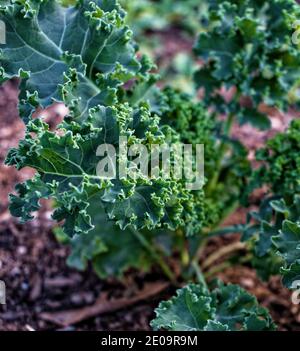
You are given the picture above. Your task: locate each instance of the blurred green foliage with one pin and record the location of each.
(159, 15)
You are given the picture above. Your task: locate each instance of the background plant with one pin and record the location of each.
(247, 48)
(172, 24)
(157, 15)
(274, 228)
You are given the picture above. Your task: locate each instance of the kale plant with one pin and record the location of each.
(274, 229)
(84, 56)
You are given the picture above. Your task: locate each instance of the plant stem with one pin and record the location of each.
(229, 124)
(155, 255)
(222, 150)
(199, 274)
(184, 252)
(185, 257)
(217, 269)
(199, 252)
(222, 252)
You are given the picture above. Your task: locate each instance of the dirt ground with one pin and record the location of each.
(44, 294)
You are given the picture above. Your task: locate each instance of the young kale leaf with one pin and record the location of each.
(226, 308)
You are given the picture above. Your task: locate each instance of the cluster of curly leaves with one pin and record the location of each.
(274, 229)
(247, 47)
(84, 56)
(196, 126)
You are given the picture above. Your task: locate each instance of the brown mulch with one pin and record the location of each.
(38, 282)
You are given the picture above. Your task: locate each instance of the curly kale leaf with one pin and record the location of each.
(268, 265)
(48, 44)
(280, 159)
(276, 233)
(259, 231)
(191, 120)
(226, 308)
(195, 125)
(247, 46)
(113, 251)
(287, 242)
(82, 55)
(279, 171)
(66, 161)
